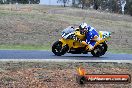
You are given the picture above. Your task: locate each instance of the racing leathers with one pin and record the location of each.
(91, 34)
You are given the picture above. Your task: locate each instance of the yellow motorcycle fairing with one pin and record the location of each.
(80, 36)
(72, 43)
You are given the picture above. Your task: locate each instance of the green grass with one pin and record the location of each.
(24, 47)
(127, 51)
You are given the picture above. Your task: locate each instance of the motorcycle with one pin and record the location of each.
(70, 43)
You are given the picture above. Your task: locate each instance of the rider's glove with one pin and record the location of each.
(76, 39)
(84, 43)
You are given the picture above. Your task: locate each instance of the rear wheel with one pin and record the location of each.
(99, 50)
(57, 48)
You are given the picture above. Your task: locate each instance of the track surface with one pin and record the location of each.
(36, 54)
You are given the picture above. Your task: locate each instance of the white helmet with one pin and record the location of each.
(82, 27)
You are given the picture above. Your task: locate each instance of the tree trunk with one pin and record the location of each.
(64, 4)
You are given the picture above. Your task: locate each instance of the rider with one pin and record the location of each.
(91, 35)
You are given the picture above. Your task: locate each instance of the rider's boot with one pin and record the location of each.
(89, 47)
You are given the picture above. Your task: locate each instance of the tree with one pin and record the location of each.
(1, 1)
(63, 1)
(85, 3)
(128, 7)
(34, 1)
(75, 3)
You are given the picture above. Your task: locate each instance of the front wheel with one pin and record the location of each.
(99, 50)
(57, 48)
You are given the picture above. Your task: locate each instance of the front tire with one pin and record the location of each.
(104, 47)
(99, 50)
(57, 48)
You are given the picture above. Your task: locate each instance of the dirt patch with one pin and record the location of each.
(56, 75)
(91, 14)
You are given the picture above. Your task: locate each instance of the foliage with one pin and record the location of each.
(106, 5)
(63, 1)
(128, 7)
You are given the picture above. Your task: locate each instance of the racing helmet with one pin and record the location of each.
(83, 28)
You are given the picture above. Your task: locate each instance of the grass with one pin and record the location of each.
(127, 51)
(24, 47)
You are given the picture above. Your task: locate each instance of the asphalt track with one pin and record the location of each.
(48, 55)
